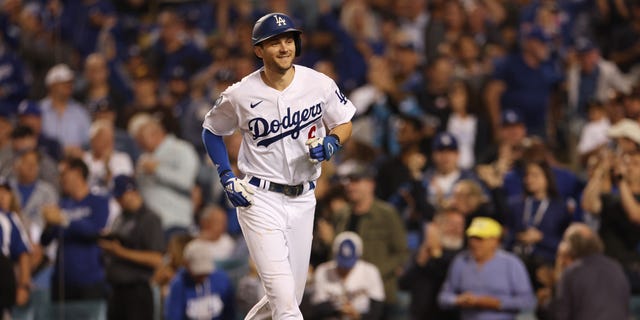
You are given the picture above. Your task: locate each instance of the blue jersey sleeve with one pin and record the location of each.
(217, 151)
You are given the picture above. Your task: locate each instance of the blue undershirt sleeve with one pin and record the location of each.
(217, 151)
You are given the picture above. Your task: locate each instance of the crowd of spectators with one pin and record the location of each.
(522, 112)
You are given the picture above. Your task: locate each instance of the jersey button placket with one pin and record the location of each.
(282, 110)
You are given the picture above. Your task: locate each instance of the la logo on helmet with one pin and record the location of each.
(280, 21)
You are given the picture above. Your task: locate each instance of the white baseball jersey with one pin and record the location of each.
(361, 284)
(276, 124)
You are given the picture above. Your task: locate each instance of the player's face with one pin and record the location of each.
(278, 52)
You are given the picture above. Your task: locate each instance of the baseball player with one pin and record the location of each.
(291, 119)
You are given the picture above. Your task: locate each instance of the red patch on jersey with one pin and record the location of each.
(312, 132)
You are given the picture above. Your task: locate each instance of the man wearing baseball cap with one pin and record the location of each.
(440, 178)
(485, 282)
(525, 81)
(30, 115)
(133, 250)
(347, 286)
(199, 291)
(63, 118)
(626, 134)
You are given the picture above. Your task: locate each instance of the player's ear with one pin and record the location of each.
(257, 50)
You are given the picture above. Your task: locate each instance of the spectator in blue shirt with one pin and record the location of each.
(15, 245)
(30, 115)
(199, 291)
(83, 22)
(593, 78)
(537, 219)
(13, 79)
(63, 118)
(525, 81)
(174, 49)
(76, 223)
(486, 282)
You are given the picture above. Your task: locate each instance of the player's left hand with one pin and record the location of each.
(239, 192)
(323, 148)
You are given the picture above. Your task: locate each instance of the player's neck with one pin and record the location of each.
(277, 79)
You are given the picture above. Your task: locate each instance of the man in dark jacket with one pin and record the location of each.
(594, 286)
(134, 249)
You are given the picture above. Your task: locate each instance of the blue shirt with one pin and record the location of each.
(587, 90)
(528, 89)
(503, 277)
(13, 238)
(71, 128)
(13, 81)
(213, 299)
(569, 185)
(78, 251)
(551, 218)
(25, 193)
(76, 22)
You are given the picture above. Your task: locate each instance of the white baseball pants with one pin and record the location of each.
(278, 230)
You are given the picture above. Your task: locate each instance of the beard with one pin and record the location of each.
(283, 68)
(279, 66)
(451, 242)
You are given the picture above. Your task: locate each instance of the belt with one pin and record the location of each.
(287, 190)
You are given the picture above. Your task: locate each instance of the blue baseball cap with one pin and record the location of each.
(537, 33)
(511, 117)
(121, 184)
(444, 141)
(179, 73)
(29, 108)
(584, 45)
(347, 249)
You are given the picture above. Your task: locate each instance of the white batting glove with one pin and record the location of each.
(239, 192)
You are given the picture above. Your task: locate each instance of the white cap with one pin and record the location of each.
(199, 257)
(58, 73)
(625, 128)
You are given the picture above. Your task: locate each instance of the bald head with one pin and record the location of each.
(582, 241)
(213, 222)
(147, 131)
(95, 68)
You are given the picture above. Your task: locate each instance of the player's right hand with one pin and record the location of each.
(239, 192)
(323, 148)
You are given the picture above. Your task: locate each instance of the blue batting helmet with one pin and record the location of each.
(273, 24)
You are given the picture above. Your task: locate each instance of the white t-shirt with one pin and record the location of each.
(465, 131)
(119, 163)
(361, 284)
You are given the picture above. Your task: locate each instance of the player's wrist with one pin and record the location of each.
(335, 136)
(226, 175)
